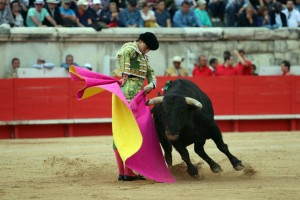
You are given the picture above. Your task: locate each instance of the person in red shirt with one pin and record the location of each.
(202, 69)
(285, 68)
(227, 68)
(244, 66)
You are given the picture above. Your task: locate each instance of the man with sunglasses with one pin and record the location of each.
(68, 15)
(6, 16)
(36, 15)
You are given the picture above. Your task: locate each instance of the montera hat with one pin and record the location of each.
(177, 59)
(150, 40)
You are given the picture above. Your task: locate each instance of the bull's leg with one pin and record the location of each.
(168, 151)
(199, 149)
(218, 139)
(191, 169)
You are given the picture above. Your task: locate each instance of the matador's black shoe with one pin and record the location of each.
(133, 178)
(121, 178)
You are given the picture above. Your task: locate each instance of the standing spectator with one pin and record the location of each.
(201, 69)
(293, 15)
(148, 15)
(18, 18)
(234, 8)
(13, 71)
(111, 16)
(69, 62)
(85, 17)
(54, 12)
(226, 69)
(277, 17)
(285, 68)
(213, 63)
(36, 15)
(6, 16)
(248, 18)
(202, 14)
(68, 15)
(244, 66)
(185, 17)
(163, 18)
(176, 69)
(131, 16)
(217, 10)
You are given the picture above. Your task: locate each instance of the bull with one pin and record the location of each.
(183, 116)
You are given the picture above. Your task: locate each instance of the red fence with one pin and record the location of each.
(46, 107)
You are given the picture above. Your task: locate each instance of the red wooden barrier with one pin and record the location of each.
(55, 98)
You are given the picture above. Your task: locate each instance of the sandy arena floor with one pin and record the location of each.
(84, 168)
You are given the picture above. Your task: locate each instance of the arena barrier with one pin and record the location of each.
(47, 107)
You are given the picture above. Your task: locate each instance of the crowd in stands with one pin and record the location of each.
(235, 64)
(150, 13)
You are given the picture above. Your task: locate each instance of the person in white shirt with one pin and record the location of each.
(292, 15)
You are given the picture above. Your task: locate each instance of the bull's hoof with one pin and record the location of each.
(216, 168)
(239, 167)
(192, 171)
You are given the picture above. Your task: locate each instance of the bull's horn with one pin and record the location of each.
(155, 100)
(193, 102)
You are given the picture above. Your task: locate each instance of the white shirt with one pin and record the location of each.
(278, 20)
(293, 17)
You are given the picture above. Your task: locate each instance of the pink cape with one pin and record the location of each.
(148, 158)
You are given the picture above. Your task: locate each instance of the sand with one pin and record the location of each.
(85, 168)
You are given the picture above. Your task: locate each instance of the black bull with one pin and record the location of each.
(185, 116)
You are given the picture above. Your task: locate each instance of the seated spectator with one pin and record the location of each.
(111, 16)
(233, 9)
(285, 68)
(202, 14)
(131, 16)
(36, 15)
(69, 62)
(18, 18)
(248, 18)
(53, 10)
(185, 17)
(253, 70)
(84, 16)
(213, 63)
(163, 18)
(12, 72)
(244, 66)
(88, 66)
(97, 10)
(201, 69)
(277, 17)
(148, 15)
(292, 14)
(176, 69)
(121, 4)
(226, 69)
(263, 18)
(217, 10)
(68, 15)
(297, 5)
(192, 3)
(6, 16)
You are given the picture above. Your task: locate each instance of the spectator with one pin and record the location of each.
(293, 15)
(18, 18)
(202, 14)
(185, 17)
(13, 71)
(68, 15)
(263, 18)
(85, 16)
(36, 15)
(248, 18)
(163, 18)
(148, 15)
(176, 69)
(131, 16)
(253, 70)
(234, 8)
(297, 5)
(69, 62)
(244, 66)
(192, 3)
(213, 63)
(54, 12)
(277, 17)
(121, 4)
(201, 69)
(269, 4)
(88, 66)
(217, 10)
(97, 10)
(227, 68)
(6, 16)
(171, 8)
(41, 63)
(285, 68)
(111, 16)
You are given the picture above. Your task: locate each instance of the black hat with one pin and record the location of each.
(132, 3)
(150, 40)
